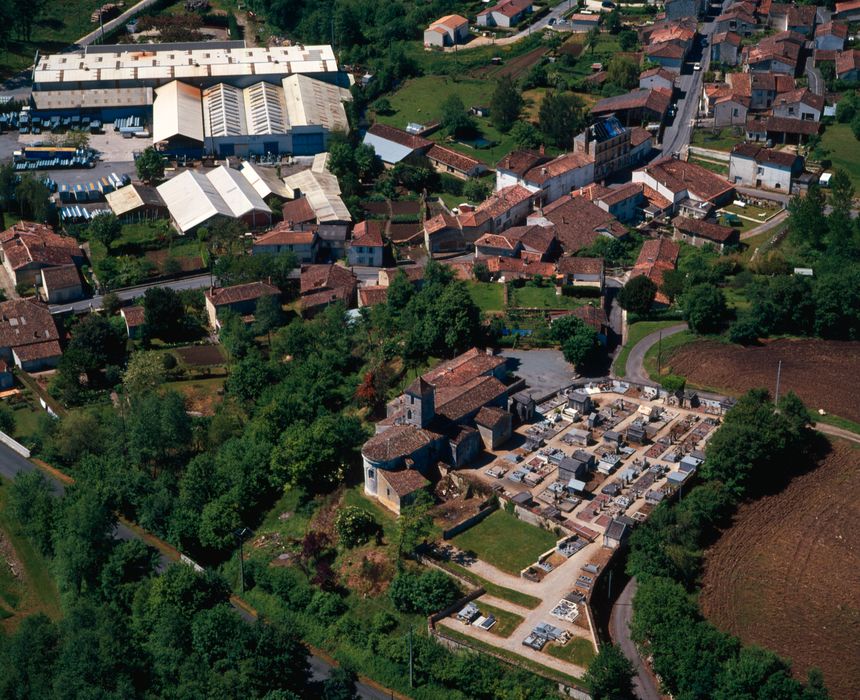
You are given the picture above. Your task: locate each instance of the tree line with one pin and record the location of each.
(757, 448)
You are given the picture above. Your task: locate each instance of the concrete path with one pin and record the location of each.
(776, 221)
(644, 684)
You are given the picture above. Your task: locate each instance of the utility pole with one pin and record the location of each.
(410, 658)
(778, 373)
(659, 352)
(240, 535)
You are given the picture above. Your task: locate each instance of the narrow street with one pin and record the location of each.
(619, 628)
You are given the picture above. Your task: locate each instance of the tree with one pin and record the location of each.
(628, 40)
(105, 229)
(163, 313)
(591, 38)
(613, 22)
(837, 304)
(704, 308)
(561, 116)
(638, 295)
(354, 526)
(525, 134)
(673, 284)
(578, 341)
(268, 315)
(855, 126)
(382, 106)
(475, 190)
(7, 420)
(622, 72)
(316, 456)
(32, 504)
(423, 593)
(846, 108)
(455, 120)
(111, 304)
(34, 199)
(505, 104)
(158, 428)
(149, 165)
(610, 674)
(414, 524)
(807, 223)
(145, 372)
(97, 342)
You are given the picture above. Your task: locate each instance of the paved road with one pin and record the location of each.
(539, 25)
(94, 36)
(195, 282)
(677, 135)
(813, 75)
(619, 629)
(635, 370)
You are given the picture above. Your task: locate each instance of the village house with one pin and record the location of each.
(443, 234)
(134, 317)
(61, 284)
(625, 202)
(285, 239)
(28, 335)
(727, 107)
(367, 247)
(393, 145)
(656, 257)
(831, 36)
(548, 178)
(801, 103)
(792, 18)
(27, 248)
(506, 207)
(754, 166)
(780, 130)
(700, 232)
(635, 107)
(298, 213)
(668, 54)
(534, 243)
(679, 180)
(612, 146)
(579, 22)
(414, 273)
(507, 269)
(725, 48)
(435, 420)
(848, 11)
(506, 13)
(399, 489)
(240, 298)
(760, 88)
(773, 56)
(657, 79)
(449, 162)
(136, 202)
(736, 19)
(579, 223)
(447, 31)
(321, 285)
(581, 272)
(494, 426)
(848, 65)
(371, 295)
(332, 241)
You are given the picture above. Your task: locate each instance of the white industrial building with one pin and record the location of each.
(322, 191)
(194, 198)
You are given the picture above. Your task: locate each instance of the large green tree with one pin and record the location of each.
(150, 165)
(610, 674)
(704, 308)
(638, 295)
(506, 104)
(578, 340)
(561, 117)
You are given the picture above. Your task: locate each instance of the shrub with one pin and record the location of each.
(423, 593)
(355, 526)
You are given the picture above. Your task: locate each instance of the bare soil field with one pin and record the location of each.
(786, 575)
(200, 355)
(514, 68)
(823, 373)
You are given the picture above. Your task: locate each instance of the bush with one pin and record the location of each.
(673, 384)
(355, 526)
(423, 593)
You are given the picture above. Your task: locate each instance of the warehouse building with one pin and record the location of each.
(195, 198)
(220, 98)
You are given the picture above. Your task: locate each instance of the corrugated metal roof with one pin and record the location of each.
(264, 180)
(177, 111)
(192, 199)
(388, 151)
(312, 102)
(323, 194)
(236, 191)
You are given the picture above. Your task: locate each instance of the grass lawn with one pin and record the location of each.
(844, 150)
(577, 651)
(635, 333)
(136, 239)
(713, 166)
(666, 348)
(604, 49)
(420, 100)
(62, 23)
(489, 296)
(724, 140)
(837, 422)
(759, 214)
(506, 621)
(543, 298)
(35, 591)
(736, 299)
(506, 542)
(508, 594)
(515, 659)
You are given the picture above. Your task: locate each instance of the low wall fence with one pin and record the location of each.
(14, 445)
(464, 525)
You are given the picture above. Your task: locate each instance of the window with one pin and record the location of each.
(370, 473)
(409, 414)
(791, 110)
(759, 170)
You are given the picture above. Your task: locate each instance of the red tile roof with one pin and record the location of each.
(520, 162)
(678, 175)
(518, 267)
(579, 222)
(25, 322)
(27, 242)
(399, 136)
(666, 49)
(803, 127)
(847, 61)
(397, 442)
(372, 295)
(656, 256)
(284, 234)
(497, 240)
(491, 417)
(37, 351)
(404, 481)
(224, 296)
(449, 22)
(565, 163)
(508, 8)
(658, 72)
(62, 277)
(298, 211)
(580, 266)
(458, 161)
(653, 99)
(704, 229)
(620, 194)
(134, 316)
(837, 29)
(440, 222)
(368, 233)
(765, 155)
(329, 281)
(504, 200)
(732, 38)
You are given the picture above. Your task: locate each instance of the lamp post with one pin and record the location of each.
(240, 535)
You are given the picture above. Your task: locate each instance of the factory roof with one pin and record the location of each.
(312, 102)
(176, 112)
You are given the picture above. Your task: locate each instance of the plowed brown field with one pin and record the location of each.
(824, 373)
(786, 575)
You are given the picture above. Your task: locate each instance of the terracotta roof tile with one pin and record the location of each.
(27, 242)
(704, 229)
(446, 156)
(580, 266)
(678, 175)
(284, 234)
(223, 296)
(397, 442)
(298, 211)
(491, 417)
(62, 277)
(134, 316)
(368, 233)
(399, 136)
(25, 322)
(404, 481)
(372, 295)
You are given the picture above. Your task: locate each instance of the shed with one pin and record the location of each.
(524, 498)
(612, 436)
(576, 485)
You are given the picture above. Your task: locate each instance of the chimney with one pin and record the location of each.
(542, 150)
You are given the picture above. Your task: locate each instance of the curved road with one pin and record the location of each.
(644, 684)
(635, 370)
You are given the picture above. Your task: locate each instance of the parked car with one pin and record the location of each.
(697, 66)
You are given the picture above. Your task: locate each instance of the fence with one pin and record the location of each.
(464, 525)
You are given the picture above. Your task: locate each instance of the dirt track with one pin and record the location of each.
(824, 373)
(786, 575)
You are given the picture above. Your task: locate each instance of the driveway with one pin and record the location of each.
(543, 370)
